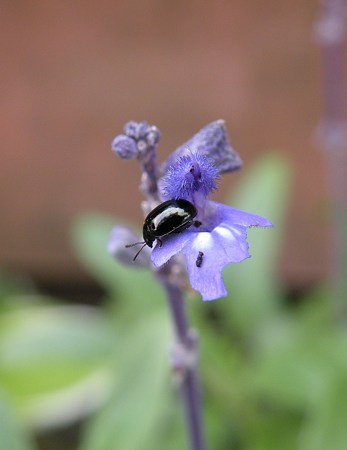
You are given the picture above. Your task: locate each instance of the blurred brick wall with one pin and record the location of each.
(74, 72)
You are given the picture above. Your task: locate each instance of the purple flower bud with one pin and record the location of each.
(124, 147)
(143, 134)
(136, 130)
(211, 141)
(153, 135)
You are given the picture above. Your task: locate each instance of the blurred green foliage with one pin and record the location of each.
(274, 374)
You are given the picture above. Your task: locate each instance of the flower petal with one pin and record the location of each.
(211, 141)
(224, 245)
(172, 245)
(206, 279)
(232, 241)
(226, 214)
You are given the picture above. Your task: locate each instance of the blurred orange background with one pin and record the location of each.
(74, 72)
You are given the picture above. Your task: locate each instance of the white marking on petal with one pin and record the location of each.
(225, 233)
(203, 240)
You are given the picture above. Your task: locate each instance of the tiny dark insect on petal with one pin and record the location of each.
(199, 259)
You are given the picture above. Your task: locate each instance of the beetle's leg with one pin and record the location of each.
(181, 227)
(197, 223)
(160, 242)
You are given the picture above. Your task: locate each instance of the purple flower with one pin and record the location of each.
(218, 235)
(220, 239)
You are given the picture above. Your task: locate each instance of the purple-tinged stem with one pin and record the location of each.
(331, 34)
(189, 383)
(149, 164)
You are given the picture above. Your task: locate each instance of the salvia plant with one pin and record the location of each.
(274, 370)
(184, 232)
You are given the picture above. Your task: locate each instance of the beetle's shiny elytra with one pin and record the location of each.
(172, 216)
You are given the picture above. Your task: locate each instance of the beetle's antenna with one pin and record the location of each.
(136, 243)
(137, 254)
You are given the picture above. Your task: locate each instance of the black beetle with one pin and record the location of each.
(172, 216)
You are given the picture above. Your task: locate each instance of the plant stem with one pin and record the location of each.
(189, 385)
(331, 34)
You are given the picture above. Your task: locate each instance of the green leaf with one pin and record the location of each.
(296, 362)
(274, 429)
(253, 285)
(140, 413)
(326, 425)
(284, 370)
(12, 434)
(52, 359)
(223, 376)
